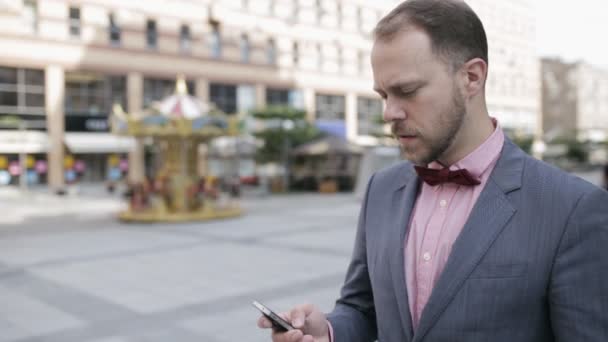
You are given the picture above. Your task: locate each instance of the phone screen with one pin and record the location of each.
(278, 323)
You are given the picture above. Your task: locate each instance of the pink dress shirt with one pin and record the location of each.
(437, 219)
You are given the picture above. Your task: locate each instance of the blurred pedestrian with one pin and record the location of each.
(471, 240)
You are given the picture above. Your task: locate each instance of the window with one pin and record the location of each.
(277, 97)
(74, 22)
(369, 116)
(93, 94)
(329, 107)
(319, 10)
(339, 58)
(245, 49)
(156, 89)
(216, 41)
(30, 14)
(320, 58)
(361, 62)
(21, 91)
(295, 10)
(296, 54)
(113, 30)
(224, 97)
(284, 97)
(245, 98)
(151, 34)
(271, 52)
(185, 40)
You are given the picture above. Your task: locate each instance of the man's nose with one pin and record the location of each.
(393, 111)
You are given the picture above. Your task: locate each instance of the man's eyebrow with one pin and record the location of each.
(401, 84)
(406, 84)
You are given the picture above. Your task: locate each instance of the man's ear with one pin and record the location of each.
(474, 74)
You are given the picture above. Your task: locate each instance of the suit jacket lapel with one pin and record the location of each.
(403, 202)
(489, 216)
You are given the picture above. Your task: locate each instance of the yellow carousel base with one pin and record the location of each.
(200, 215)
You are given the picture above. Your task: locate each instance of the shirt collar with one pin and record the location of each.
(478, 161)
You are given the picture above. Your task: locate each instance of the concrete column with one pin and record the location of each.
(351, 116)
(309, 104)
(202, 89)
(260, 96)
(55, 123)
(135, 95)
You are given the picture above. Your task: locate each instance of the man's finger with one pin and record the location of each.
(308, 338)
(264, 323)
(289, 336)
(298, 315)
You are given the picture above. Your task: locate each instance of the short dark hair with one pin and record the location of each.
(456, 32)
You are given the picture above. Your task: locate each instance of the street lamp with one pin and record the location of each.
(287, 126)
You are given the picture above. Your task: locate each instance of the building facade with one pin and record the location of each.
(513, 88)
(65, 63)
(574, 101)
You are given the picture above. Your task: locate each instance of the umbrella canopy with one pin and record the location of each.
(330, 144)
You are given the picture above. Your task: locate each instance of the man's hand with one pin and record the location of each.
(309, 322)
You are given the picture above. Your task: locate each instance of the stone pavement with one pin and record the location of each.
(72, 273)
(69, 272)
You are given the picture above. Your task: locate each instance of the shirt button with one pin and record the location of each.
(426, 256)
(443, 203)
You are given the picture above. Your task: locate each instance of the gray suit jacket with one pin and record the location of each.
(531, 263)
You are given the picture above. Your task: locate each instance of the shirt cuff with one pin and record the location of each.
(331, 332)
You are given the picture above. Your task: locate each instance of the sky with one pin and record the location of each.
(573, 30)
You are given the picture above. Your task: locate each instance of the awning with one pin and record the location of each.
(80, 143)
(14, 142)
(330, 144)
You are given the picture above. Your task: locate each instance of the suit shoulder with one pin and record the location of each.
(554, 176)
(393, 172)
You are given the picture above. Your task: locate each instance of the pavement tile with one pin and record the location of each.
(240, 324)
(26, 316)
(206, 272)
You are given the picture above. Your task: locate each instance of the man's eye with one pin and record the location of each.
(408, 93)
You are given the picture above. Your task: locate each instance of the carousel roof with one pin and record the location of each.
(182, 105)
(178, 114)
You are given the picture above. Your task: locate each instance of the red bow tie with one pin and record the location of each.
(434, 176)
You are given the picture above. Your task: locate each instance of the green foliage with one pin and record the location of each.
(577, 151)
(524, 142)
(275, 138)
(279, 112)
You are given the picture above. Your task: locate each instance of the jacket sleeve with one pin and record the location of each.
(354, 319)
(578, 293)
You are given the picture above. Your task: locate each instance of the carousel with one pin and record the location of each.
(179, 189)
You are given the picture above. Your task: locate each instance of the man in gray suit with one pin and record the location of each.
(471, 240)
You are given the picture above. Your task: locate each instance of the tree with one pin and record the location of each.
(276, 132)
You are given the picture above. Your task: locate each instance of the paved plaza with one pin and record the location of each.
(69, 272)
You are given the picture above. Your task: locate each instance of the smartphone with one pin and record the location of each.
(278, 324)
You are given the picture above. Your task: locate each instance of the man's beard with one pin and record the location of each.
(450, 123)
